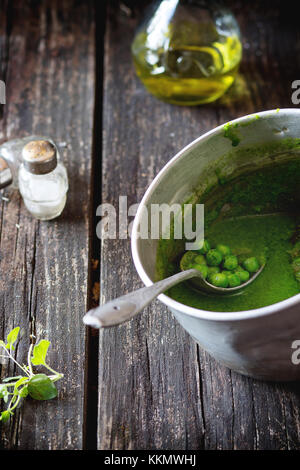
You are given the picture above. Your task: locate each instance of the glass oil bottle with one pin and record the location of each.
(187, 52)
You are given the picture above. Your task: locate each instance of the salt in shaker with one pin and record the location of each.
(43, 180)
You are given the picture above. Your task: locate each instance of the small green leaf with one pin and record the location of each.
(24, 392)
(12, 337)
(40, 352)
(20, 382)
(40, 387)
(2, 343)
(4, 393)
(10, 379)
(5, 415)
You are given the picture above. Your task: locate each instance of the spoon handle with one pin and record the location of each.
(124, 308)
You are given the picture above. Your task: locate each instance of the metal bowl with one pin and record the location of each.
(258, 342)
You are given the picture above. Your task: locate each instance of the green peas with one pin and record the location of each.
(187, 259)
(200, 259)
(233, 280)
(214, 257)
(219, 280)
(251, 264)
(243, 275)
(230, 262)
(205, 247)
(221, 268)
(239, 268)
(213, 269)
(202, 268)
(224, 249)
(226, 272)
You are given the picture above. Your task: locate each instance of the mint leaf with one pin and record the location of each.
(40, 387)
(20, 382)
(4, 393)
(24, 392)
(5, 415)
(12, 337)
(40, 352)
(10, 379)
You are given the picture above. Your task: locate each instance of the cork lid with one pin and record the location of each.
(6, 177)
(39, 157)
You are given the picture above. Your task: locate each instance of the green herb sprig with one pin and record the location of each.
(37, 386)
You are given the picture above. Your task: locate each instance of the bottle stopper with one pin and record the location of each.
(39, 157)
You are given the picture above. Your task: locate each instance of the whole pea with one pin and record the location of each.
(205, 247)
(224, 271)
(239, 268)
(200, 259)
(202, 268)
(187, 259)
(213, 270)
(219, 280)
(230, 262)
(243, 275)
(224, 249)
(214, 257)
(234, 280)
(251, 264)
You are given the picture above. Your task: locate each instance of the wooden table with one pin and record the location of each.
(146, 384)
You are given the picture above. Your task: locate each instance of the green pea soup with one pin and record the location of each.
(254, 210)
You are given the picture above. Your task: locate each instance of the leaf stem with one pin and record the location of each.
(56, 377)
(15, 403)
(51, 370)
(13, 359)
(11, 384)
(29, 359)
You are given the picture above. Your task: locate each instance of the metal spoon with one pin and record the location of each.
(124, 308)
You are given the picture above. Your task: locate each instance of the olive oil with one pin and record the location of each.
(190, 55)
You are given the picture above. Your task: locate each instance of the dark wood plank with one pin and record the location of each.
(157, 389)
(49, 72)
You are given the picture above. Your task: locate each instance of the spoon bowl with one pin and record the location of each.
(126, 307)
(202, 284)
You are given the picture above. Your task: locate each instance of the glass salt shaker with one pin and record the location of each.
(43, 180)
(11, 159)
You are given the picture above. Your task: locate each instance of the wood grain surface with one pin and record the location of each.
(157, 388)
(47, 62)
